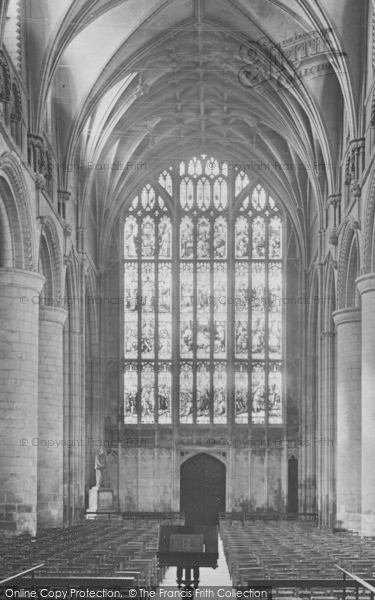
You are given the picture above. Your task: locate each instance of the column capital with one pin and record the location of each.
(53, 313)
(347, 315)
(327, 334)
(366, 283)
(22, 279)
(63, 195)
(333, 200)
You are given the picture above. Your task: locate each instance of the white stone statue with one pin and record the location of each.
(100, 467)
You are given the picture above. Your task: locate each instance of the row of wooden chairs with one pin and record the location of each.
(288, 550)
(92, 548)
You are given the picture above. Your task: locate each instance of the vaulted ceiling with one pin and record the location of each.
(151, 80)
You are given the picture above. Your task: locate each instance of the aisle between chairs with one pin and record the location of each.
(208, 577)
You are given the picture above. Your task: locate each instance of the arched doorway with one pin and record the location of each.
(202, 495)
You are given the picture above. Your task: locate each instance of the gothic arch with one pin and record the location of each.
(50, 253)
(71, 294)
(221, 456)
(14, 195)
(369, 233)
(348, 267)
(6, 238)
(329, 295)
(204, 202)
(45, 269)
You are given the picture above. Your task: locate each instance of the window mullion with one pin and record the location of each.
(195, 324)
(139, 308)
(266, 323)
(156, 322)
(212, 315)
(249, 320)
(231, 306)
(175, 297)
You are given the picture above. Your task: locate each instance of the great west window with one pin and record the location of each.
(203, 280)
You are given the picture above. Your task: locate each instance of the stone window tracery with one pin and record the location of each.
(202, 299)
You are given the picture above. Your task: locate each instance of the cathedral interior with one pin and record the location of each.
(187, 259)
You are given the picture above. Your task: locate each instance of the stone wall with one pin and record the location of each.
(19, 324)
(149, 479)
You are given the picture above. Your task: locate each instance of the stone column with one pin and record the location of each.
(50, 417)
(348, 429)
(366, 286)
(19, 324)
(324, 441)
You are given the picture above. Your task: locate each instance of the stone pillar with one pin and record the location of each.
(348, 430)
(19, 324)
(366, 286)
(325, 441)
(50, 417)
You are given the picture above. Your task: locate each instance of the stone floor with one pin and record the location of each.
(208, 577)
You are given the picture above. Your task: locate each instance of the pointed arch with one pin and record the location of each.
(7, 258)
(348, 266)
(14, 197)
(369, 233)
(229, 270)
(50, 261)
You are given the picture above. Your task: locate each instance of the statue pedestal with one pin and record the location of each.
(101, 502)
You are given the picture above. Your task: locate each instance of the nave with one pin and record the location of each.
(187, 289)
(257, 552)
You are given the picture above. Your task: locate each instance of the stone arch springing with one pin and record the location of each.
(330, 297)
(10, 221)
(369, 234)
(6, 240)
(352, 294)
(50, 258)
(348, 267)
(14, 195)
(45, 269)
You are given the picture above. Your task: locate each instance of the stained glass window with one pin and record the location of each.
(202, 299)
(148, 310)
(258, 322)
(241, 182)
(165, 180)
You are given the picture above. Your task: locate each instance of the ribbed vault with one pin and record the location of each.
(145, 81)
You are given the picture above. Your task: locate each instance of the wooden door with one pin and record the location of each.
(202, 490)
